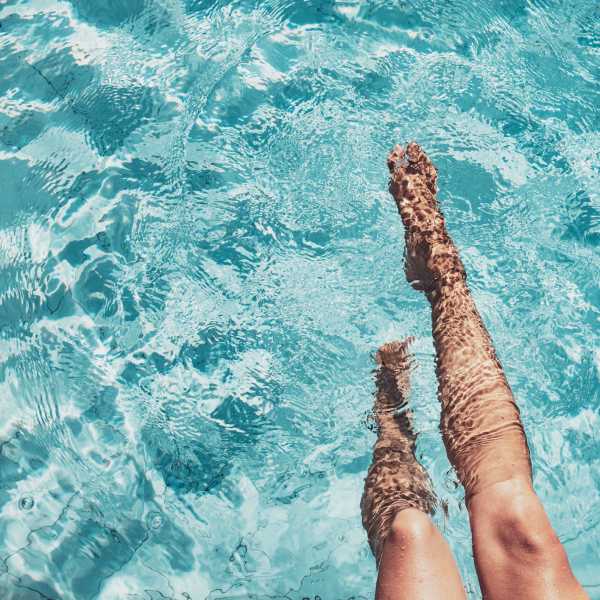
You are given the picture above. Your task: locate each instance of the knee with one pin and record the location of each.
(411, 527)
(520, 529)
(512, 518)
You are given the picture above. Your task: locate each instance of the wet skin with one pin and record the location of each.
(517, 554)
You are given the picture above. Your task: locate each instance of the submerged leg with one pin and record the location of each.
(414, 560)
(517, 553)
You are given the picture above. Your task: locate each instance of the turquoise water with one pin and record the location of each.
(199, 257)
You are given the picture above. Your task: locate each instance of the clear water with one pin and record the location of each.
(199, 257)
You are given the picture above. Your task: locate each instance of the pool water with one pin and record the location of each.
(199, 257)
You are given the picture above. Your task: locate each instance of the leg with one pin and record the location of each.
(414, 560)
(517, 554)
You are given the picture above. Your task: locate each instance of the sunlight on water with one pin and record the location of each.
(199, 258)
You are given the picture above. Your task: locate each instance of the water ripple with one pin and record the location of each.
(198, 257)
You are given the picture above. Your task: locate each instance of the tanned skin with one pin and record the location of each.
(517, 553)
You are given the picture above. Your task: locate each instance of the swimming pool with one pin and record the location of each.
(199, 257)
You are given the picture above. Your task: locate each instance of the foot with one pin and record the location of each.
(431, 257)
(395, 359)
(393, 386)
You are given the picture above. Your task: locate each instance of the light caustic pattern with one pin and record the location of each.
(199, 257)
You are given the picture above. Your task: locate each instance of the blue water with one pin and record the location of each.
(199, 256)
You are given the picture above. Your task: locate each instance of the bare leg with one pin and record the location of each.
(517, 553)
(413, 558)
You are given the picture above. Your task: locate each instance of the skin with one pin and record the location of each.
(517, 553)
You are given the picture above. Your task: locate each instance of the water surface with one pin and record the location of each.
(199, 256)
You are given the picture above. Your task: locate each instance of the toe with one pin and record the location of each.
(394, 157)
(414, 153)
(394, 353)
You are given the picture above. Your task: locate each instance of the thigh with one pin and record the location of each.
(416, 563)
